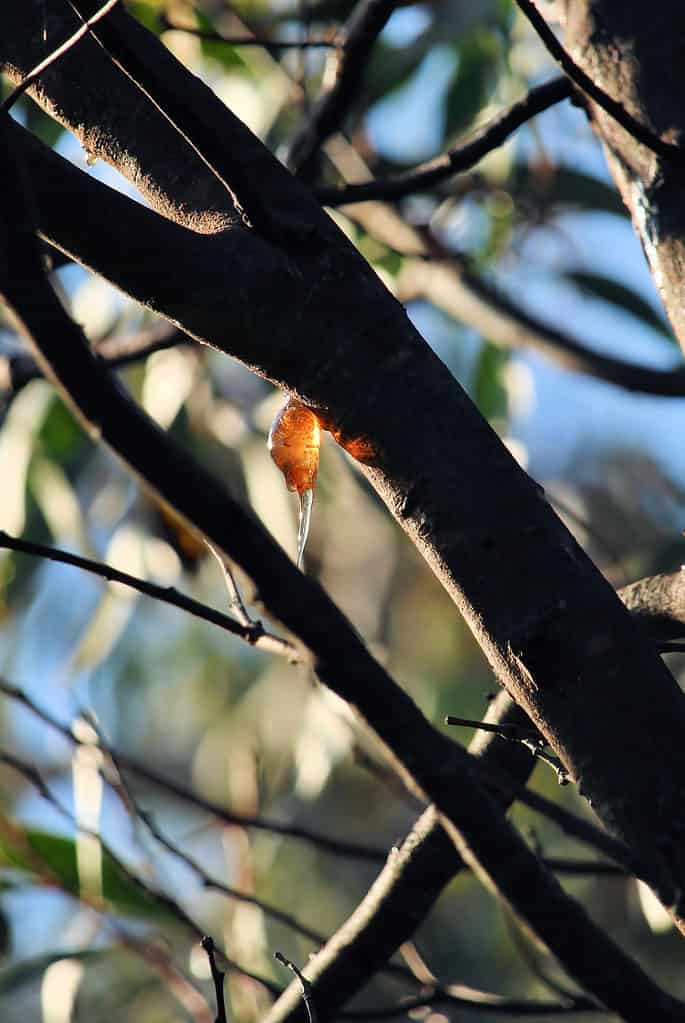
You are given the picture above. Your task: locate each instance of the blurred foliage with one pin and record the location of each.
(222, 719)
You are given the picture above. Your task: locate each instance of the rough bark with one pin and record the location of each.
(636, 55)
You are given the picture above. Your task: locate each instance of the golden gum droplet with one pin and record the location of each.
(294, 440)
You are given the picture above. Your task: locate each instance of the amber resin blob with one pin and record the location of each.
(294, 441)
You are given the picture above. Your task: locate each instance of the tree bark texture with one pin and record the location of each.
(636, 54)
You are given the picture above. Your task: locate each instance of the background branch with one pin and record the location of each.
(462, 157)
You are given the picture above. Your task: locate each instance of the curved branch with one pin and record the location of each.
(481, 305)
(638, 59)
(462, 157)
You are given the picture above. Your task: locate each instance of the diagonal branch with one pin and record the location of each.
(462, 157)
(412, 879)
(35, 73)
(253, 633)
(427, 759)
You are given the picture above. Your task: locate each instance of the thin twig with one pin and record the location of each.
(636, 128)
(307, 995)
(531, 740)
(363, 27)
(237, 604)
(38, 70)
(504, 730)
(218, 978)
(461, 157)
(126, 763)
(253, 632)
(284, 918)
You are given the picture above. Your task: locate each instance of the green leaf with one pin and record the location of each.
(147, 13)
(487, 389)
(45, 856)
(226, 55)
(474, 80)
(60, 436)
(609, 290)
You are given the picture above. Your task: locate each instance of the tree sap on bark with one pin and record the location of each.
(294, 441)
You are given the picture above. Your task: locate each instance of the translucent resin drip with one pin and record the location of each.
(306, 503)
(294, 440)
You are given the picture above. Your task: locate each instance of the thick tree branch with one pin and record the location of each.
(638, 59)
(430, 762)
(462, 157)
(559, 642)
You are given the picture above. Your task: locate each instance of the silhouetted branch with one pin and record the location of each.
(365, 24)
(19, 368)
(641, 132)
(32, 77)
(218, 979)
(253, 632)
(462, 157)
(149, 894)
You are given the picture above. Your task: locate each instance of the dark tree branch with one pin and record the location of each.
(57, 54)
(428, 761)
(640, 132)
(217, 978)
(252, 632)
(413, 878)
(462, 157)
(658, 602)
(19, 368)
(365, 24)
(482, 524)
